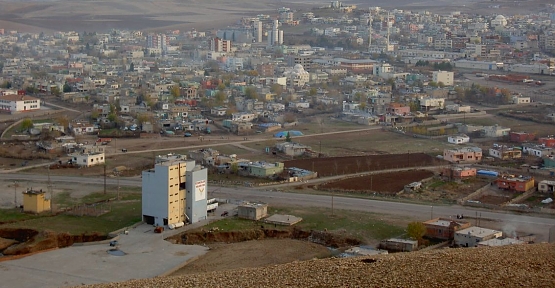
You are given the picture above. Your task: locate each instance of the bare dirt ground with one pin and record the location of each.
(254, 254)
(387, 183)
(354, 164)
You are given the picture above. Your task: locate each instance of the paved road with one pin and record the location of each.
(529, 223)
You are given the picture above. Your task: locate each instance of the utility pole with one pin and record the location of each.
(104, 178)
(51, 192)
(320, 153)
(432, 212)
(15, 193)
(117, 177)
(332, 203)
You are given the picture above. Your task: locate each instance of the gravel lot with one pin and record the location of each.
(509, 266)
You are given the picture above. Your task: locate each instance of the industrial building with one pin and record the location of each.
(174, 192)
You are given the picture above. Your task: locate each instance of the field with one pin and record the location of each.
(355, 164)
(383, 183)
(373, 141)
(515, 124)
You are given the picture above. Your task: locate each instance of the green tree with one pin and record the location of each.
(220, 97)
(26, 124)
(440, 84)
(234, 168)
(288, 137)
(432, 84)
(6, 84)
(55, 91)
(312, 91)
(95, 114)
(67, 88)
(416, 230)
(175, 92)
(221, 87)
(276, 89)
(112, 117)
(250, 93)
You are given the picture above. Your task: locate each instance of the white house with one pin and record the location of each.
(456, 108)
(18, 103)
(299, 105)
(350, 106)
(244, 117)
(536, 150)
(470, 237)
(517, 99)
(81, 128)
(88, 160)
(218, 111)
(459, 139)
(428, 103)
(276, 107)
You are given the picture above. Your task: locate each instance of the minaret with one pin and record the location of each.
(387, 48)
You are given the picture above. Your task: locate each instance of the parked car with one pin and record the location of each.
(187, 134)
(113, 243)
(225, 213)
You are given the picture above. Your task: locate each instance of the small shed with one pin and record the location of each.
(34, 201)
(399, 245)
(252, 211)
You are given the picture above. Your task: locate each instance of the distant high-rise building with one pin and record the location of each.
(275, 36)
(220, 45)
(158, 41)
(257, 27)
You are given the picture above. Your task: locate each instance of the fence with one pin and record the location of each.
(475, 194)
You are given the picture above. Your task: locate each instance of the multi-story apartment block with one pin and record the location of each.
(220, 45)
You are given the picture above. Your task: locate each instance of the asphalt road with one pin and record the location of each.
(528, 223)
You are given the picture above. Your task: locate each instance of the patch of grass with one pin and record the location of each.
(436, 184)
(122, 214)
(361, 225)
(14, 214)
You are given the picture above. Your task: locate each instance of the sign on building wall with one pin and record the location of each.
(200, 190)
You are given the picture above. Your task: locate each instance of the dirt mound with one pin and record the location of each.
(319, 237)
(31, 241)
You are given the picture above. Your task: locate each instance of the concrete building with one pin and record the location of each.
(89, 159)
(399, 245)
(444, 77)
(546, 186)
(463, 155)
(471, 237)
(252, 211)
(496, 242)
(35, 201)
(428, 103)
(262, 169)
(505, 153)
(297, 76)
(459, 139)
(220, 45)
(18, 103)
(257, 31)
(443, 228)
(292, 149)
(518, 184)
(174, 191)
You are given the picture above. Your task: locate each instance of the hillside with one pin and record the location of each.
(509, 266)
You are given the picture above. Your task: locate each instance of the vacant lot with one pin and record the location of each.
(355, 164)
(254, 254)
(385, 183)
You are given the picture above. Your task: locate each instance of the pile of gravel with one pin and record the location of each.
(509, 266)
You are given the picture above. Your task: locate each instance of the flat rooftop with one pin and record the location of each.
(477, 231)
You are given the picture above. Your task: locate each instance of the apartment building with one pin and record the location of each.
(444, 77)
(18, 103)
